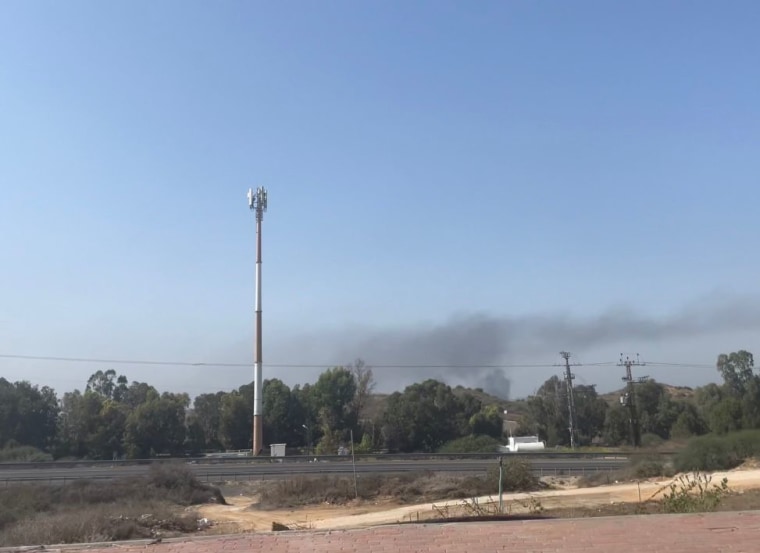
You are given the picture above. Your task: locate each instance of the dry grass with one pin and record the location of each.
(85, 511)
(406, 488)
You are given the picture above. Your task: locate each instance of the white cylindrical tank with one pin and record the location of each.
(530, 446)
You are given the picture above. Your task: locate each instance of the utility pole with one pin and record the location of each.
(629, 398)
(257, 201)
(569, 376)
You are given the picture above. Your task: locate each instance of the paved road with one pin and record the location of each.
(258, 470)
(702, 533)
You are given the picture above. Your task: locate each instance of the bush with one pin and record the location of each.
(471, 444)
(181, 485)
(745, 444)
(706, 453)
(101, 510)
(711, 452)
(694, 494)
(23, 454)
(407, 488)
(651, 441)
(518, 477)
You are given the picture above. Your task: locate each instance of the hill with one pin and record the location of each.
(681, 393)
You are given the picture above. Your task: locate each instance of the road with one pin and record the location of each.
(254, 471)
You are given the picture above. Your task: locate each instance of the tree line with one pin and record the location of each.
(113, 418)
(729, 406)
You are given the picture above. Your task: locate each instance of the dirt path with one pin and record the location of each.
(238, 516)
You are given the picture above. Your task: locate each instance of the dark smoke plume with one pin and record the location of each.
(481, 340)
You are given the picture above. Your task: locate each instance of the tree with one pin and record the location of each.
(487, 422)
(80, 425)
(157, 426)
(235, 427)
(591, 412)
(334, 397)
(365, 384)
(548, 413)
(689, 422)
(616, 426)
(107, 384)
(28, 414)
(725, 416)
(138, 393)
(422, 418)
(279, 413)
(207, 414)
(737, 371)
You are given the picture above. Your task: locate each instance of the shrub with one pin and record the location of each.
(745, 444)
(518, 477)
(182, 486)
(23, 454)
(711, 452)
(84, 510)
(651, 440)
(694, 494)
(471, 444)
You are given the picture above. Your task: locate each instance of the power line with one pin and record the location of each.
(686, 365)
(106, 361)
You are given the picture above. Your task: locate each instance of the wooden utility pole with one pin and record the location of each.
(629, 398)
(569, 376)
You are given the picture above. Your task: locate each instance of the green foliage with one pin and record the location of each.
(422, 418)
(718, 452)
(548, 413)
(487, 422)
(694, 494)
(471, 444)
(517, 476)
(616, 426)
(706, 453)
(23, 454)
(651, 440)
(113, 418)
(28, 414)
(365, 446)
(280, 410)
(651, 467)
(157, 426)
(689, 423)
(236, 420)
(736, 368)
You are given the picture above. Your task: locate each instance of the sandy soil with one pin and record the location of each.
(239, 517)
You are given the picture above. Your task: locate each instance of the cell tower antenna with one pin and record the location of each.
(257, 202)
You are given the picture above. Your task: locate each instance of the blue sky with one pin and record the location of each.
(425, 161)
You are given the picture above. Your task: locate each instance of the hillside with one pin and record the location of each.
(676, 392)
(518, 407)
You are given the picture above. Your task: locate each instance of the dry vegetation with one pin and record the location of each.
(86, 511)
(404, 488)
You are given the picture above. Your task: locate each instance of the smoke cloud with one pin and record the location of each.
(479, 340)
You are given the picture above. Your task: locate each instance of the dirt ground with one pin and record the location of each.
(565, 500)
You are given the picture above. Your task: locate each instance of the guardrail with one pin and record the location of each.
(325, 458)
(245, 476)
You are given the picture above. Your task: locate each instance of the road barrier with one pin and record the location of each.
(366, 457)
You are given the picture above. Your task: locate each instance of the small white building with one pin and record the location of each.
(277, 450)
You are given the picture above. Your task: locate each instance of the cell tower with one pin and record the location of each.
(257, 201)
